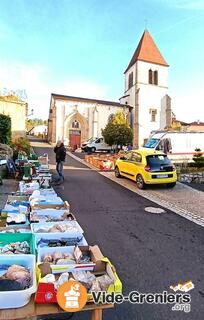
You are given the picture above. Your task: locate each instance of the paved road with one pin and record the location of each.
(151, 252)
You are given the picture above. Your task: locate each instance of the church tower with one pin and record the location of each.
(146, 89)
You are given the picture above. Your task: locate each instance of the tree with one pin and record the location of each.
(117, 131)
(5, 129)
(198, 158)
(30, 123)
(118, 118)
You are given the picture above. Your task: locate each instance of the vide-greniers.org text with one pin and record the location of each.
(136, 297)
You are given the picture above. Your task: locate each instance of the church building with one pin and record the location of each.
(75, 119)
(145, 103)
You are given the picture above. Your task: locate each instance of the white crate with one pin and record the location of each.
(17, 299)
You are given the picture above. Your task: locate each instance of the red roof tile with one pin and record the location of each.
(147, 51)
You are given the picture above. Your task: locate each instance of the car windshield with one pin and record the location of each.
(158, 159)
(92, 139)
(151, 143)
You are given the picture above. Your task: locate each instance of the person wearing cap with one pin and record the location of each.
(60, 159)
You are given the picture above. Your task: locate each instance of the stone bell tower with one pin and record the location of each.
(146, 85)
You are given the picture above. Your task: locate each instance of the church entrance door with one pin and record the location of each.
(74, 138)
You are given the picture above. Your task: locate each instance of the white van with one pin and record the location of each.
(178, 145)
(96, 144)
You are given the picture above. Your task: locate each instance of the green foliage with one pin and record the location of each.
(117, 131)
(21, 145)
(30, 123)
(5, 129)
(118, 118)
(198, 158)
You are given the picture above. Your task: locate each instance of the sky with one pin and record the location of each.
(82, 48)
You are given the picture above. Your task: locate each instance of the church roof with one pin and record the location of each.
(88, 100)
(147, 51)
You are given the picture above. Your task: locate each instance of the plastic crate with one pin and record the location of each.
(6, 238)
(17, 299)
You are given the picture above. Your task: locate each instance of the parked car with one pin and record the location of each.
(96, 144)
(146, 167)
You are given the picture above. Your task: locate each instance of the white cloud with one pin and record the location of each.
(38, 85)
(188, 106)
(83, 88)
(28, 78)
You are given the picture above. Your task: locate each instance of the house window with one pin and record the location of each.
(156, 77)
(153, 113)
(150, 77)
(130, 80)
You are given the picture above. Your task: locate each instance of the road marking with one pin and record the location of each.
(154, 210)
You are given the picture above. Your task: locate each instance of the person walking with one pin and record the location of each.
(60, 159)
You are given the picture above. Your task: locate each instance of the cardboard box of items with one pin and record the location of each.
(92, 252)
(47, 292)
(65, 205)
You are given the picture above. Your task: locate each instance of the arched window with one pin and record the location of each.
(75, 124)
(150, 76)
(130, 80)
(156, 77)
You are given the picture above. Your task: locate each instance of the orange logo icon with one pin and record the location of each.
(72, 296)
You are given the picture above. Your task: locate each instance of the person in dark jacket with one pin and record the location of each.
(60, 159)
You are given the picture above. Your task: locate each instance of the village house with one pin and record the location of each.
(17, 110)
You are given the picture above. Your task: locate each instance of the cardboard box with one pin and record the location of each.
(109, 269)
(94, 252)
(46, 292)
(17, 198)
(64, 205)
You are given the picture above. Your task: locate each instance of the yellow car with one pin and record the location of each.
(146, 167)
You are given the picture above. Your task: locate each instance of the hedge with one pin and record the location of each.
(5, 129)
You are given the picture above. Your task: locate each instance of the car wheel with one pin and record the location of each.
(171, 185)
(93, 149)
(117, 172)
(140, 182)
